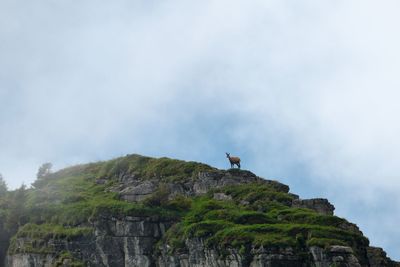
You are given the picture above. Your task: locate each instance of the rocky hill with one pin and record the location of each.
(141, 211)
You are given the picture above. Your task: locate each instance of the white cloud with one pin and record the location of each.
(308, 87)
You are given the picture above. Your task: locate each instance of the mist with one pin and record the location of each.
(305, 93)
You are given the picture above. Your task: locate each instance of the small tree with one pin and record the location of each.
(3, 186)
(44, 170)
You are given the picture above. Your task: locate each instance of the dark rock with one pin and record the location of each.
(129, 241)
(377, 258)
(320, 205)
(334, 256)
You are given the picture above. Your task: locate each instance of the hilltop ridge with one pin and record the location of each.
(142, 211)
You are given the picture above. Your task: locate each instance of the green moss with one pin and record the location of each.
(165, 169)
(36, 237)
(258, 195)
(227, 224)
(158, 198)
(52, 231)
(75, 198)
(66, 258)
(307, 216)
(175, 237)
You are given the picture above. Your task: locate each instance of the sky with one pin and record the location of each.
(305, 92)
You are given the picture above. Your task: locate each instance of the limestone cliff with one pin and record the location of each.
(139, 211)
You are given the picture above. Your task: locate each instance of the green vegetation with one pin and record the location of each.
(72, 196)
(3, 186)
(65, 258)
(258, 215)
(67, 200)
(43, 172)
(164, 169)
(259, 196)
(52, 231)
(39, 235)
(76, 199)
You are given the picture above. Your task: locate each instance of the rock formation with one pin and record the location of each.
(193, 215)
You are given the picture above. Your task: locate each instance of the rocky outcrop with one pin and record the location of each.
(320, 205)
(377, 257)
(197, 255)
(133, 242)
(138, 241)
(334, 256)
(128, 241)
(135, 188)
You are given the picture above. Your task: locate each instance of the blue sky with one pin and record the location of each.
(305, 92)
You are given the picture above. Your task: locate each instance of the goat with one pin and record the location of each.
(233, 160)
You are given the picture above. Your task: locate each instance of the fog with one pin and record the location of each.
(304, 92)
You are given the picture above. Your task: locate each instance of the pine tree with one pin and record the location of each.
(43, 173)
(3, 186)
(44, 170)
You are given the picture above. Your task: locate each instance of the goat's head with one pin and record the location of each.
(227, 155)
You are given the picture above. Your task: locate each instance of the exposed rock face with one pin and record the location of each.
(197, 255)
(137, 190)
(132, 242)
(45, 260)
(133, 188)
(137, 241)
(334, 256)
(320, 205)
(128, 241)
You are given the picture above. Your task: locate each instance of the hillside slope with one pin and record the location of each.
(141, 211)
